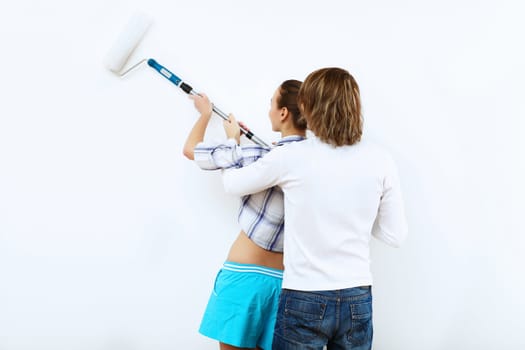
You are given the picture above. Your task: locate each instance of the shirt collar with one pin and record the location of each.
(288, 139)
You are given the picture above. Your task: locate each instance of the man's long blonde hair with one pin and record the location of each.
(330, 102)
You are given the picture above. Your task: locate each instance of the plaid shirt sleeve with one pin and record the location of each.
(226, 155)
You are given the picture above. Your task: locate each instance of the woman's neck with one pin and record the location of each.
(294, 132)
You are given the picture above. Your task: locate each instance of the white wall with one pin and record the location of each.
(109, 239)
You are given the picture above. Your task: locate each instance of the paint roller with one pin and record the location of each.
(128, 41)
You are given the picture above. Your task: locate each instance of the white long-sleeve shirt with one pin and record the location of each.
(336, 198)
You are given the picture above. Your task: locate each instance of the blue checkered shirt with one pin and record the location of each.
(261, 215)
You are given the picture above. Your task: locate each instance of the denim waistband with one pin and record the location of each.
(361, 292)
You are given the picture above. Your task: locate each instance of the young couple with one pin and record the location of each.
(335, 192)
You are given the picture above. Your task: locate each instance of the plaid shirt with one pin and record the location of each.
(261, 215)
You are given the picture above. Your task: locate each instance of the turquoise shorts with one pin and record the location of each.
(243, 306)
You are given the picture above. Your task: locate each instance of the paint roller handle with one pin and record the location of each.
(189, 90)
(166, 73)
(170, 76)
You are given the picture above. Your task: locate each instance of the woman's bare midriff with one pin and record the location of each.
(244, 251)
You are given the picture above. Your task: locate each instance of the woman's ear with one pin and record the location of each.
(284, 114)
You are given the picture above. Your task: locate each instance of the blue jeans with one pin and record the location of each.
(339, 319)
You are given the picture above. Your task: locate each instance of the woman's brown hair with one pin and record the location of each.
(330, 102)
(288, 92)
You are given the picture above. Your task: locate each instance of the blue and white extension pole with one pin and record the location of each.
(189, 90)
(126, 44)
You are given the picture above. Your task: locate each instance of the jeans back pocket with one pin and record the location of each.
(299, 319)
(361, 330)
